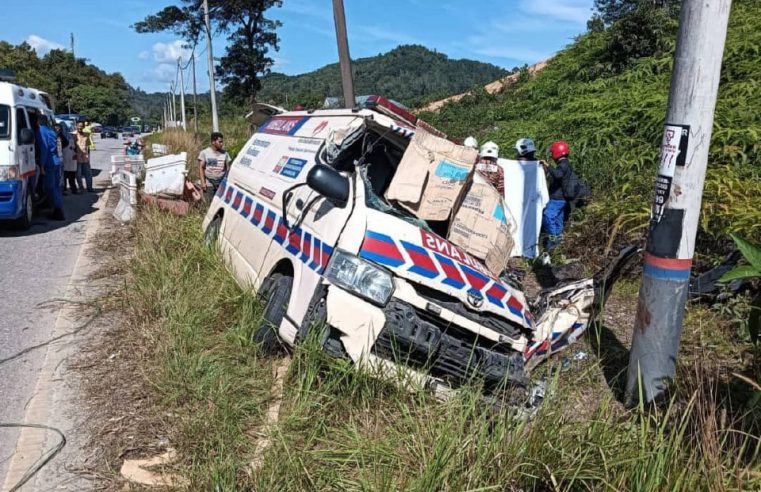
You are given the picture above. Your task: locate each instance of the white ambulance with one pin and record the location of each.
(18, 168)
(301, 217)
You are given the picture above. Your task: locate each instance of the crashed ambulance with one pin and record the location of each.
(302, 218)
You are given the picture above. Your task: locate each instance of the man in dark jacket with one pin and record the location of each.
(553, 217)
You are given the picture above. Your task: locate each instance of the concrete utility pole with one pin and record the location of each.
(182, 93)
(212, 85)
(71, 39)
(195, 94)
(173, 103)
(343, 53)
(678, 194)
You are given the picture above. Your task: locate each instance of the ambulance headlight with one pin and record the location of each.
(360, 277)
(9, 173)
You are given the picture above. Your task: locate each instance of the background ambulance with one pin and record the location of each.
(301, 217)
(18, 168)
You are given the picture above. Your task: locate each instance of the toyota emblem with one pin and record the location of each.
(475, 298)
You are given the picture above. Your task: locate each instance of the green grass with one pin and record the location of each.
(340, 429)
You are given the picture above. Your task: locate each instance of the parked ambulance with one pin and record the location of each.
(18, 168)
(302, 218)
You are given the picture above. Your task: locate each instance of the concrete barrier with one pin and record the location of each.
(166, 174)
(125, 210)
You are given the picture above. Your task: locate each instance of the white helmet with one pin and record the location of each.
(525, 146)
(471, 142)
(489, 149)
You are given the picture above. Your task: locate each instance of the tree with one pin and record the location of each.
(251, 36)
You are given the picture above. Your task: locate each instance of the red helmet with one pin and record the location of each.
(559, 149)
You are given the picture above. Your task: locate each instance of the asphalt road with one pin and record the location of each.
(35, 267)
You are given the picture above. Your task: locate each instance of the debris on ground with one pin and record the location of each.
(137, 471)
(273, 414)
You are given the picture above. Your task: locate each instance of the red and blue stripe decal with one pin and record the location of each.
(667, 268)
(384, 250)
(305, 247)
(381, 249)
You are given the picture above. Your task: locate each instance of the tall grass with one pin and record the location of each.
(340, 429)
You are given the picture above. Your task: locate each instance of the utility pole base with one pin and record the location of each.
(657, 329)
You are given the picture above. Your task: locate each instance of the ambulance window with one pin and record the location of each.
(20, 121)
(5, 122)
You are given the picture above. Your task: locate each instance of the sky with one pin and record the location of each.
(506, 33)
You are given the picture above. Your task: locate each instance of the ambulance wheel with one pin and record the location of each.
(211, 234)
(275, 293)
(316, 318)
(25, 221)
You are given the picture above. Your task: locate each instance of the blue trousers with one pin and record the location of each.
(553, 222)
(53, 186)
(84, 171)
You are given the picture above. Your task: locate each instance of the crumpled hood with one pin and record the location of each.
(426, 258)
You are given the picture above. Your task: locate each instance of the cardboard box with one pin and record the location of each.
(431, 176)
(482, 225)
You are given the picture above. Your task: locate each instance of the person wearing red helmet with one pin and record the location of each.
(553, 217)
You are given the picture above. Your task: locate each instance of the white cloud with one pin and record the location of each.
(516, 53)
(41, 45)
(573, 11)
(163, 72)
(169, 52)
(377, 34)
(143, 55)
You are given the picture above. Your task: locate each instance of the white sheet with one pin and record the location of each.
(525, 196)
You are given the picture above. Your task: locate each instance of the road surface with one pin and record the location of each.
(36, 266)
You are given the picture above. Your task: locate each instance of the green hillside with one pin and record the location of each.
(409, 74)
(608, 99)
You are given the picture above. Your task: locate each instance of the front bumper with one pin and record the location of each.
(434, 344)
(423, 341)
(11, 199)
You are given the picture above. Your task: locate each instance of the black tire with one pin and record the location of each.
(317, 318)
(25, 221)
(211, 234)
(275, 292)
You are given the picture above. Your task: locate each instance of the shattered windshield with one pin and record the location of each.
(378, 203)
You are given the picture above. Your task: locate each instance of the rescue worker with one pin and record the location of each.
(487, 165)
(213, 163)
(51, 165)
(553, 218)
(525, 149)
(89, 131)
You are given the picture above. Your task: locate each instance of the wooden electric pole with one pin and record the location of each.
(212, 85)
(678, 195)
(182, 93)
(343, 53)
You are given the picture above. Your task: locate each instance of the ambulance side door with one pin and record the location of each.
(24, 154)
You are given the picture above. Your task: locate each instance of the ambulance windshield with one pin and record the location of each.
(5, 122)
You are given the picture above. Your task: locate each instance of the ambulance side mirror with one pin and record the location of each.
(329, 183)
(26, 137)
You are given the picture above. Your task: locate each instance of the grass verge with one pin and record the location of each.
(344, 430)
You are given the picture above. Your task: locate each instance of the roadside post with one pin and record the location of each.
(678, 195)
(343, 53)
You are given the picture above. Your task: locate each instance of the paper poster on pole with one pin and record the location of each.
(673, 154)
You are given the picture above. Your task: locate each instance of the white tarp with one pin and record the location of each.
(525, 197)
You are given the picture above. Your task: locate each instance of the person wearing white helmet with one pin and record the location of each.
(525, 149)
(487, 165)
(471, 142)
